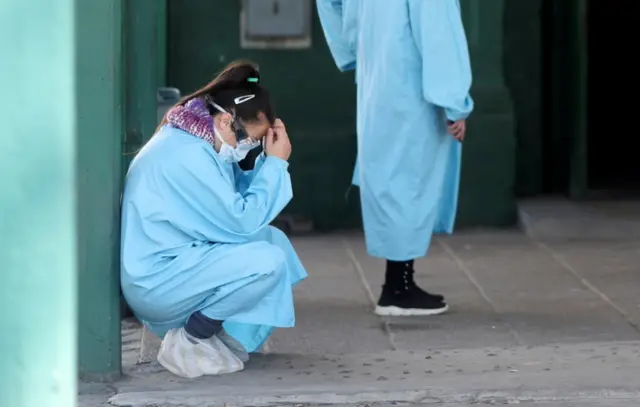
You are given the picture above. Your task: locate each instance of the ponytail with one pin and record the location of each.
(237, 79)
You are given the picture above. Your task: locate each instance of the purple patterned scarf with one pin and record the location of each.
(194, 118)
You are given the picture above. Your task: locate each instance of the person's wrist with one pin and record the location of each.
(277, 160)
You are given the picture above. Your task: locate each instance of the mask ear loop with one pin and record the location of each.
(236, 101)
(217, 106)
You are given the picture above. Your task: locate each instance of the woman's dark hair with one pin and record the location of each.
(239, 78)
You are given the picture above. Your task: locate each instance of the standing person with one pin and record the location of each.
(200, 264)
(413, 79)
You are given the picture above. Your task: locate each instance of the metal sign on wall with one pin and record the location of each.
(276, 24)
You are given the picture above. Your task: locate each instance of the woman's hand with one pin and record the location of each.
(458, 129)
(278, 144)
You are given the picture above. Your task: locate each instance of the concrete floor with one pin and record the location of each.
(550, 316)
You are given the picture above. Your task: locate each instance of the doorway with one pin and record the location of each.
(590, 90)
(612, 93)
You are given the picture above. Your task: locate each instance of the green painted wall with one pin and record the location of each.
(38, 244)
(100, 109)
(318, 104)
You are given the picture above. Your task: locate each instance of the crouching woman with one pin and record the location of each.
(201, 267)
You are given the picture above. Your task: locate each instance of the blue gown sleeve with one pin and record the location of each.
(207, 206)
(332, 21)
(244, 178)
(446, 70)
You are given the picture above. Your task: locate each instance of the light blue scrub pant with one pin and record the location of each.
(248, 286)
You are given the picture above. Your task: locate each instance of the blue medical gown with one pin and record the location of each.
(412, 73)
(196, 237)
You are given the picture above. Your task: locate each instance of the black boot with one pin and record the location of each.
(401, 296)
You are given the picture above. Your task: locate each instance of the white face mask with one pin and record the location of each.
(234, 154)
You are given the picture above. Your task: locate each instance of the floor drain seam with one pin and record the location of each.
(585, 282)
(476, 284)
(372, 299)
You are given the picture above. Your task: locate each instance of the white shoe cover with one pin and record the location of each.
(189, 357)
(234, 346)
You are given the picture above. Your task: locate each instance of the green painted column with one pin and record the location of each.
(37, 204)
(100, 128)
(141, 49)
(489, 153)
(161, 42)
